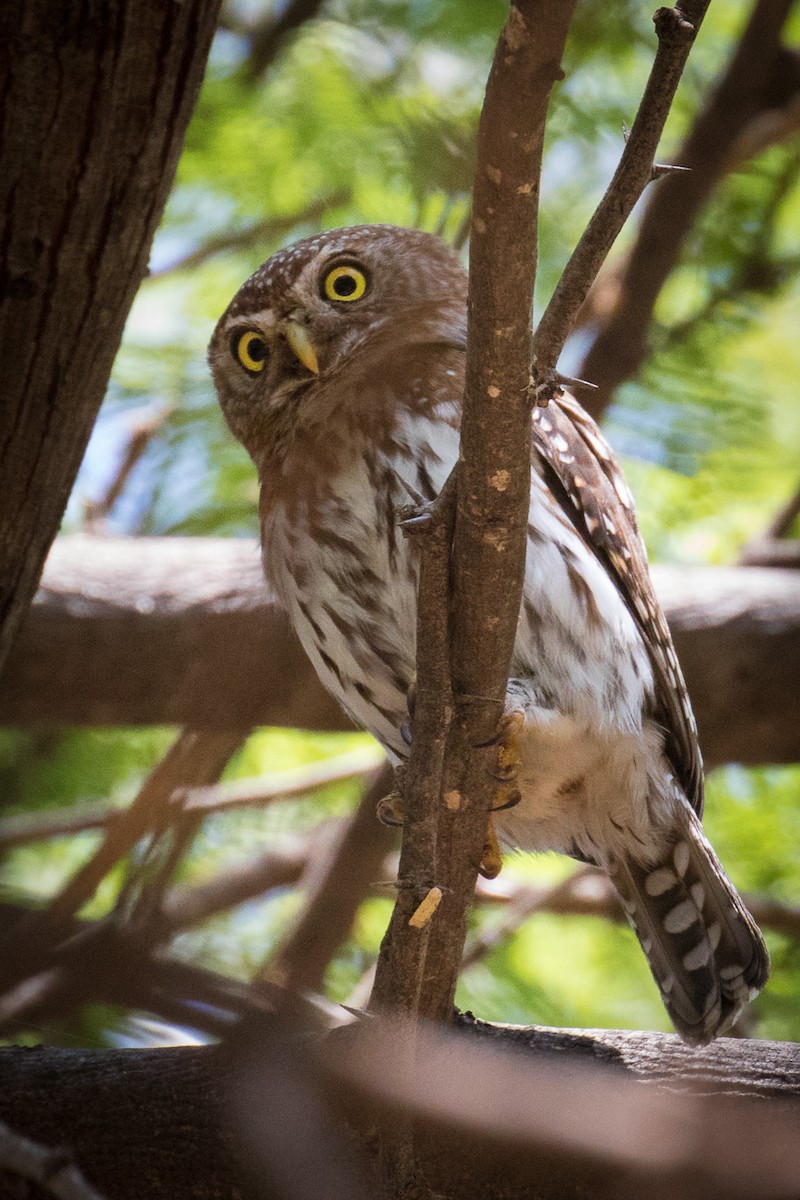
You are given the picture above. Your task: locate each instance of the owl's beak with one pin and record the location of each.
(301, 344)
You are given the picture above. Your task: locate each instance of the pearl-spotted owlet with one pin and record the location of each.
(340, 366)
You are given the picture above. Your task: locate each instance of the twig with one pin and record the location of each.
(259, 792)
(400, 965)
(102, 961)
(268, 36)
(290, 784)
(51, 1168)
(772, 547)
(783, 520)
(194, 757)
(753, 82)
(344, 878)
(676, 28)
(186, 907)
(25, 828)
(144, 426)
(141, 897)
(521, 904)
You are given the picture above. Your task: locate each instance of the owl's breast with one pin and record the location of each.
(341, 566)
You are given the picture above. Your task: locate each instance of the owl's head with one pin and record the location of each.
(316, 315)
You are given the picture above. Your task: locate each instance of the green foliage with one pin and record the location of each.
(370, 115)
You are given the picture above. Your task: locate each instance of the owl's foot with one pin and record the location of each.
(507, 794)
(492, 858)
(411, 700)
(391, 810)
(509, 759)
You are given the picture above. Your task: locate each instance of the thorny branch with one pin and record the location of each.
(762, 79)
(676, 28)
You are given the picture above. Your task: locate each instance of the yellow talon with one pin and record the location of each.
(391, 810)
(492, 859)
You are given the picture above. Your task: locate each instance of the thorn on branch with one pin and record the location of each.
(548, 385)
(660, 169)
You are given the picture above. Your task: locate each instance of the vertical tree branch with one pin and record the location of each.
(463, 661)
(443, 842)
(488, 559)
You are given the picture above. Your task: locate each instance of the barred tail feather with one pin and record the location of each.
(706, 952)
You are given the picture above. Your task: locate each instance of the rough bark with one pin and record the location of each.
(158, 1124)
(95, 102)
(184, 631)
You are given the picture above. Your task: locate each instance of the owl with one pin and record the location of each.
(340, 366)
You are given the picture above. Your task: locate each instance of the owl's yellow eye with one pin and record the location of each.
(344, 283)
(250, 350)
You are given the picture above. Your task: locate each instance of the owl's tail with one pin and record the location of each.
(706, 952)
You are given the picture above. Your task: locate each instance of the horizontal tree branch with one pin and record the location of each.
(184, 631)
(492, 1122)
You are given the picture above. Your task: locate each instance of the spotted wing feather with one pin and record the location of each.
(585, 478)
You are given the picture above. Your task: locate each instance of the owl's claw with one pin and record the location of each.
(411, 702)
(492, 858)
(507, 794)
(415, 518)
(512, 798)
(391, 809)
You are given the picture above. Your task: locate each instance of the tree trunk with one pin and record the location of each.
(95, 103)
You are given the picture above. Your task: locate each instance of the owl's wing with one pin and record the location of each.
(585, 478)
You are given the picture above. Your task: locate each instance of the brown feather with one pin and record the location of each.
(586, 480)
